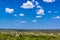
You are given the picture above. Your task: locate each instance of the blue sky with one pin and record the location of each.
(29, 14)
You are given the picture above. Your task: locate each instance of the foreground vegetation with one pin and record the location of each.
(29, 35)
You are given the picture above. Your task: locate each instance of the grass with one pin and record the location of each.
(29, 35)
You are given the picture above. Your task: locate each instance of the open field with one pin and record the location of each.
(29, 34)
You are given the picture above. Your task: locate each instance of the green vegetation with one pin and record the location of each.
(29, 35)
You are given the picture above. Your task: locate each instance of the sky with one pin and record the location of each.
(29, 14)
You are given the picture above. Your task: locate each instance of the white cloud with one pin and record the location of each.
(36, 3)
(39, 6)
(49, 11)
(41, 11)
(48, 1)
(15, 15)
(21, 14)
(23, 22)
(38, 16)
(57, 17)
(28, 5)
(34, 20)
(52, 11)
(9, 10)
(33, 0)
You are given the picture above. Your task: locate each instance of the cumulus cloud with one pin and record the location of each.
(23, 22)
(40, 12)
(48, 1)
(34, 20)
(36, 3)
(28, 5)
(38, 16)
(33, 0)
(9, 10)
(57, 17)
(21, 14)
(15, 15)
(49, 11)
(39, 6)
